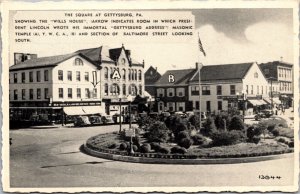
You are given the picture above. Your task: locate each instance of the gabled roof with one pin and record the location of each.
(223, 72)
(151, 75)
(45, 61)
(181, 76)
(270, 69)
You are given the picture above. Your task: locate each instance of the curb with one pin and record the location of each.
(183, 161)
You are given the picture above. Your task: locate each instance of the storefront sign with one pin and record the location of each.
(57, 104)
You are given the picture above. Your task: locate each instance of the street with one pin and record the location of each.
(51, 158)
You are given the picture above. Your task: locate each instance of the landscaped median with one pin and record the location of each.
(175, 140)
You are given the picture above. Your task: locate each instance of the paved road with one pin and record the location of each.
(51, 158)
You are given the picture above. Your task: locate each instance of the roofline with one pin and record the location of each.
(36, 67)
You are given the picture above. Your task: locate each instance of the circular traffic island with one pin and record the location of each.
(197, 149)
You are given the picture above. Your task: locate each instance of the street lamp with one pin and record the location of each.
(120, 116)
(271, 79)
(129, 99)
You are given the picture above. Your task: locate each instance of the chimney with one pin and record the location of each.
(197, 65)
(281, 59)
(21, 57)
(155, 69)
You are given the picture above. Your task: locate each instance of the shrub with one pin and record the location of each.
(208, 127)
(236, 123)
(164, 150)
(178, 150)
(112, 145)
(135, 148)
(256, 139)
(145, 148)
(281, 140)
(181, 135)
(275, 132)
(155, 146)
(291, 144)
(271, 127)
(198, 139)
(123, 146)
(222, 121)
(158, 132)
(136, 140)
(185, 142)
(221, 138)
(194, 120)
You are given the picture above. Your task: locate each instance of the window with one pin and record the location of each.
(170, 92)
(160, 92)
(140, 75)
(46, 93)
(87, 93)
(219, 105)
(15, 78)
(86, 76)
(247, 89)
(30, 94)
(15, 94)
(78, 75)
(255, 75)
(46, 75)
(23, 77)
(129, 74)
(171, 106)
(124, 89)
(95, 93)
(251, 89)
(31, 76)
(106, 73)
(180, 92)
(197, 105)
(257, 90)
(123, 74)
(205, 90)
(60, 75)
(161, 106)
(219, 90)
(78, 62)
(38, 76)
(140, 90)
(70, 93)
(135, 74)
(106, 89)
(115, 90)
(232, 89)
(78, 91)
(70, 75)
(180, 106)
(38, 93)
(195, 90)
(132, 74)
(262, 90)
(60, 92)
(23, 94)
(132, 90)
(208, 106)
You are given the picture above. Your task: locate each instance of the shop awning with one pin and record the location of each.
(74, 110)
(275, 100)
(256, 102)
(93, 110)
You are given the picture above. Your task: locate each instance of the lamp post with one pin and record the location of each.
(129, 99)
(120, 116)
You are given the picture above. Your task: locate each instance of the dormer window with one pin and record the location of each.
(78, 62)
(255, 75)
(123, 61)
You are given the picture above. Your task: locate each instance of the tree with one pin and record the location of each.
(158, 132)
(208, 126)
(236, 123)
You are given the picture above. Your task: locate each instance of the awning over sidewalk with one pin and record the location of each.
(275, 100)
(257, 102)
(83, 110)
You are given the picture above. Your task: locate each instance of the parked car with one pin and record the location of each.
(203, 115)
(154, 115)
(116, 118)
(95, 120)
(181, 114)
(263, 114)
(165, 114)
(106, 119)
(81, 121)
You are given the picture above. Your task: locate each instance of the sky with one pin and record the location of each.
(228, 36)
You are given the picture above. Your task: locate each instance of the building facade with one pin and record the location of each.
(151, 76)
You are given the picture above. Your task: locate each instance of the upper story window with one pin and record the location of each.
(38, 93)
(70, 75)
(78, 75)
(86, 76)
(160, 92)
(219, 90)
(170, 92)
(106, 73)
(78, 90)
(129, 74)
(180, 92)
(60, 93)
(123, 61)
(115, 89)
(205, 90)
(124, 89)
(23, 77)
(123, 74)
(132, 90)
(15, 94)
(95, 93)
(232, 90)
(140, 75)
(15, 78)
(106, 89)
(140, 89)
(87, 93)
(31, 76)
(247, 89)
(46, 93)
(195, 90)
(255, 75)
(23, 94)
(135, 74)
(257, 90)
(251, 89)
(46, 75)
(132, 74)
(78, 62)
(60, 75)
(70, 93)
(38, 76)
(30, 94)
